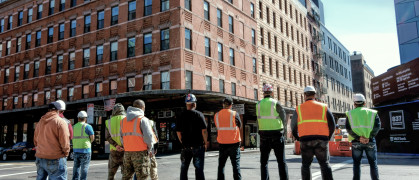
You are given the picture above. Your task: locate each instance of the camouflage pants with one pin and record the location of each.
(153, 173)
(138, 163)
(116, 159)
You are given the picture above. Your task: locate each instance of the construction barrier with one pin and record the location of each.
(341, 148)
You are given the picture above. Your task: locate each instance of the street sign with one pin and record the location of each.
(239, 108)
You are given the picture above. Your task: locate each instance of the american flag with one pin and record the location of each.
(109, 104)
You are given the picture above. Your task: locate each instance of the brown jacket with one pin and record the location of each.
(52, 137)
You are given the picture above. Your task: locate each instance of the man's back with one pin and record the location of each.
(190, 124)
(52, 137)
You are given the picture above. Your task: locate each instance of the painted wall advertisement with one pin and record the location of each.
(397, 119)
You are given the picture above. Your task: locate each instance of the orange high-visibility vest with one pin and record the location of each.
(132, 136)
(312, 119)
(338, 135)
(228, 132)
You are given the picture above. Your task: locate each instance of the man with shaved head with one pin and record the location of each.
(137, 139)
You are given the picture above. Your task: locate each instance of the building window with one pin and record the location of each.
(70, 93)
(220, 52)
(230, 24)
(1, 49)
(50, 35)
(98, 89)
(86, 57)
(59, 94)
(86, 91)
(131, 84)
(4, 103)
(62, 5)
(36, 69)
(230, 1)
(47, 97)
(48, 66)
(20, 18)
(8, 47)
(40, 9)
(253, 37)
(208, 83)
(255, 94)
(73, 26)
(270, 66)
(164, 39)
(164, 5)
(221, 84)
(10, 25)
(233, 89)
(148, 40)
(262, 37)
(6, 75)
(277, 69)
(206, 11)
(260, 10)
(73, 3)
(30, 14)
(19, 44)
(99, 54)
(269, 40)
(113, 87)
(207, 47)
(71, 60)
(87, 22)
(26, 73)
(268, 18)
(100, 20)
(219, 18)
(165, 80)
(51, 7)
(252, 10)
(2, 25)
(232, 56)
(188, 80)
(263, 63)
(15, 102)
(17, 73)
(148, 7)
(188, 39)
(60, 59)
(115, 14)
(274, 19)
(276, 43)
(147, 81)
(254, 65)
(61, 31)
(114, 51)
(188, 5)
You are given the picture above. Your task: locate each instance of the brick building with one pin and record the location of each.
(90, 51)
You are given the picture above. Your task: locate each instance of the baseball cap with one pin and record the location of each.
(82, 114)
(57, 105)
(228, 101)
(190, 98)
(309, 89)
(359, 98)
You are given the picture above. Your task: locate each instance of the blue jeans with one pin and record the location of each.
(81, 163)
(320, 148)
(371, 152)
(54, 169)
(198, 155)
(232, 151)
(277, 144)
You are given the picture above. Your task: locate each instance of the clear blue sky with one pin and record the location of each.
(368, 26)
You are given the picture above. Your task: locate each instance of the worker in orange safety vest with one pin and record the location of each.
(228, 128)
(338, 134)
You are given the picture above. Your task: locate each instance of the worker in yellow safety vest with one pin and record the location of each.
(363, 124)
(112, 134)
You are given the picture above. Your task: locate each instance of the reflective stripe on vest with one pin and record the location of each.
(312, 119)
(115, 129)
(132, 139)
(361, 120)
(268, 117)
(227, 130)
(81, 139)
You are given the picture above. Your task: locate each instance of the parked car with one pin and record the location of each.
(24, 150)
(1, 151)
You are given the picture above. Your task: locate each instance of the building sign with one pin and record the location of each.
(396, 120)
(90, 113)
(398, 138)
(239, 108)
(396, 83)
(415, 123)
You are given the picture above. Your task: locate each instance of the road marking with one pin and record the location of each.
(6, 164)
(29, 172)
(15, 167)
(334, 168)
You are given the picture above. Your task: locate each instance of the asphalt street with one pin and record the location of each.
(390, 167)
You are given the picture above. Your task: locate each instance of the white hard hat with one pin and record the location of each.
(359, 98)
(309, 89)
(59, 105)
(82, 114)
(267, 88)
